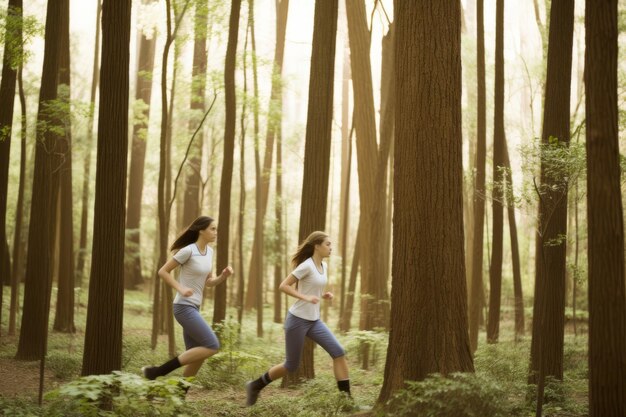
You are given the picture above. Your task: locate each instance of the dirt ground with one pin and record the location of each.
(21, 379)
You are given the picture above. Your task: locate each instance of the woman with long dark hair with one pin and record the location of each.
(195, 258)
(303, 319)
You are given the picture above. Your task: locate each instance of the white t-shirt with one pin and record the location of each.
(194, 269)
(310, 282)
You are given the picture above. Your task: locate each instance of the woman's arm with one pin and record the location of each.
(165, 274)
(212, 282)
(287, 287)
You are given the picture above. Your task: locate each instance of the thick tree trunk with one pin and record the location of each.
(546, 354)
(103, 334)
(82, 250)
(64, 318)
(476, 281)
(346, 318)
(317, 146)
(11, 60)
(223, 234)
(428, 259)
(607, 298)
(495, 269)
(41, 236)
(143, 93)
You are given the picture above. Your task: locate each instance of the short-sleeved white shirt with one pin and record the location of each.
(194, 269)
(310, 282)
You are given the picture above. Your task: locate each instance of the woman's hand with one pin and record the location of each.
(313, 299)
(185, 291)
(228, 271)
(328, 295)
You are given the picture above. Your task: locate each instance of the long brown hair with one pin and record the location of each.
(307, 248)
(190, 235)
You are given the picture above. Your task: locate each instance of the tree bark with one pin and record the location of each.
(428, 259)
(476, 291)
(64, 318)
(103, 334)
(223, 233)
(546, 358)
(499, 144)
(41, 233)
(607, 298)
(10, 62)
(18, 244)
(143, 93)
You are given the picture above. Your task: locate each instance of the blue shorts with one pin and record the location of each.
(196, 330)
(297, 328)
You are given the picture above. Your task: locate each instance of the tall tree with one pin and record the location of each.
(476, 280)
(11, 60)
(607, 298)
(317, 142)
(103, 334)
(546, 352)
(368, 165)
(223, 233)
(499, 144)
(193, 183)
(143, 94)
(18, 244)
(64, 318)
(429, 304)
(84, 213)
(41, 232)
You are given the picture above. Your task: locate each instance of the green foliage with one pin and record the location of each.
(119, 394)
(318, 397)
(375, 340)
(460, 394)
(231, 365)
(64, 365)
(11, 23)
(18, 407)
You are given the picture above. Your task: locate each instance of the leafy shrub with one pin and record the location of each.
(119, 394)
(459, 395)
(64, 365)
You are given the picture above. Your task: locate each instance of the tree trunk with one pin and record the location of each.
(517, 274)
(41, 233)
(82, 250)
(476, 285)
(223, 233)
(495, 269)
(278, 264)
(193, 183)
(143, 93)
(546, 354)
(64, 318)
(18, 250)
(346, 318)
(367, 157)
(317, 145)
(103, 334)
(428, 259)
(10, 62)
(607, 305)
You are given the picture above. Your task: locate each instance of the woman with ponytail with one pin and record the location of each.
(195, 258)
(303, 318)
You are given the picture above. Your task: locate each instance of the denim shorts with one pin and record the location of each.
(196, 331)
(296, 329)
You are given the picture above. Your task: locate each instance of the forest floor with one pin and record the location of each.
(218, 390)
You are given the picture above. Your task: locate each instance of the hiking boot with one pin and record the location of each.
(252, 394)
